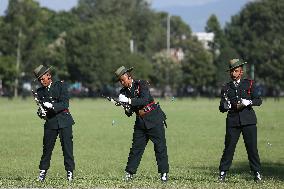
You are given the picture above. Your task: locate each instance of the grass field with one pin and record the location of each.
(195, 137)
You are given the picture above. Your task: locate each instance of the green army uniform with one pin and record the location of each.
(53, 101)
(150, 126)
(58, 122)
(240, 119)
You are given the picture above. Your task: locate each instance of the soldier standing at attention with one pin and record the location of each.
(238, 98)
(54, 98)
(149, 124)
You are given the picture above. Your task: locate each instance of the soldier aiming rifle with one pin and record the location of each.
(238, 98)
(135, 98)
(125, 106)
(53, 101)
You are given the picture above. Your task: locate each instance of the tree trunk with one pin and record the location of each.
(16, 85)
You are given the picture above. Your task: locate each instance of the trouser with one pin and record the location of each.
(249, 133)
(140, 139)
(66, 139)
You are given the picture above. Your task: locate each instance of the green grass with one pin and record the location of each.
(195, 137)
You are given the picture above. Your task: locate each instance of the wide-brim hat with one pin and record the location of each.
(122, 70)
(234, 63)
(40, 71)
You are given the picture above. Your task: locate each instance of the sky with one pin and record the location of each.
(194, 12)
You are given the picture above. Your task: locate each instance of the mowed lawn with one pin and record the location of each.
(102, 138)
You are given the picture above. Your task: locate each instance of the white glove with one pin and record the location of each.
(227, 105)
(246, 102)
(43, 112)
(48, 105)
(123, 98)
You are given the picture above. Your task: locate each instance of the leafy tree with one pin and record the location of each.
(142, 23)
(213, 26)
(59, 23)
(142, 66)
(166, 72)
(7, 71)
(145, 28)
(96, 49)
(180, 32)
(21, 36)
(55, 32)
(226, 53)
(256, 34)
(89, 42)
(198, 68)
(221, 49)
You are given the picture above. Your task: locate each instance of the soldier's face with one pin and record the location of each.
(236, 73)
(45, 79)
(125, 80)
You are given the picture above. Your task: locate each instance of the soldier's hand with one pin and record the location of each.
(48, 105)
(227, 105)
(246, 102)
(123, 98)
(41, 113)
(240, 106)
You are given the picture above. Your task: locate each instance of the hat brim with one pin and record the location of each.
(123, 72)
(236, 66)
(43, 73)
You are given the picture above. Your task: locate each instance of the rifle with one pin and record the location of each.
(41, 111)
(126, 106)
(227, 102)
(225, 95)
(236, 106)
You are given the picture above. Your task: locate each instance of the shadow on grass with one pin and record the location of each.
(273, 170)
(269, 170)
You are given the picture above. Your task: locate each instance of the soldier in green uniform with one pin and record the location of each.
(54, 98)
(238, 98)
(149, 124)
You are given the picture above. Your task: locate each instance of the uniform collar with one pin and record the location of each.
(132, 83)
(48, 87)
(236, 83)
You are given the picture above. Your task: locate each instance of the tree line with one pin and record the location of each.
(87, 44)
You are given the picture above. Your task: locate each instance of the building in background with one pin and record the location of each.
(204, 38)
